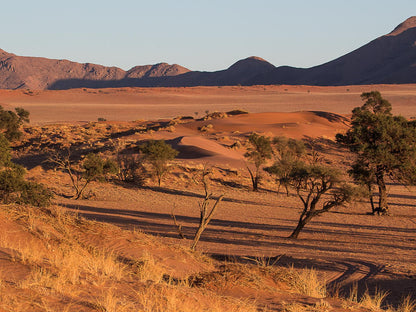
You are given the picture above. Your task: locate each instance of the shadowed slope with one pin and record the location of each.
(387, 59)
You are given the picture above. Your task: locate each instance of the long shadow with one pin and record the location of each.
(360, 226)
(368, 227)
(397, 286)
(402, 196)
(148, 222)
(164, 216)
(165, 190)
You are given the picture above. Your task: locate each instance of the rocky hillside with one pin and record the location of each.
(388, 59)
(21, 72)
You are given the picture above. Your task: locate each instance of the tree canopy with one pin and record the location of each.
(318, 186)
(158, 153)
(258, 152)
(10, 122)
(384, 145)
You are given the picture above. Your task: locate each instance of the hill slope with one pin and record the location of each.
(21, 72)
(387, 59)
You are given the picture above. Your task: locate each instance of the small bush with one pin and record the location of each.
(35, 194)
(237, 112)
(131, 168)
(13, 186)
(11, 182)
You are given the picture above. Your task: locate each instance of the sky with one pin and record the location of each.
(201, 35)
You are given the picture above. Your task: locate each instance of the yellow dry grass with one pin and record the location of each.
(75, 274)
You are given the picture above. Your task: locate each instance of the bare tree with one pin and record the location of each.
(206, 213)
(81, 174)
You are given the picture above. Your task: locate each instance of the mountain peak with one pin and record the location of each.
(256, 58)
(252, 62)
(407, 24)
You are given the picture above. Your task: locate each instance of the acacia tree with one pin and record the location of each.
(259, 151)
(384, 145)
(287, 153)
(158, 153)
(317, 186)
(92, 168)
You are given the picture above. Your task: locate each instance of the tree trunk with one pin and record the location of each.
(370, 192)
(303, 220)
(255, 184)
(382, 201)
(254, 179)
(198, 234)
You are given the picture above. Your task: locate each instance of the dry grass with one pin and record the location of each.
(68, 274)
(306, 282)
(63, 268)
(407, 305)
(375, 301)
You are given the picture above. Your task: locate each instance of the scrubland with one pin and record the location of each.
(119, 249)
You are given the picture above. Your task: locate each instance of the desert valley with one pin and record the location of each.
(124, 243)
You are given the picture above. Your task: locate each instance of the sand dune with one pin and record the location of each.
(129, 104)
(198, 147)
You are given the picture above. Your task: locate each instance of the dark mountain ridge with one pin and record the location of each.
(388, 59)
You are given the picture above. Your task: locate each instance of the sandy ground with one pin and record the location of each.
(346, 245)
(128, 104)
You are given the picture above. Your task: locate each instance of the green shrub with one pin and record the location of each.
(158, 153)
(13, 186)
(35, 194)
(10, 122)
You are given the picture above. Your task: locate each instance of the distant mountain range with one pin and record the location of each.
(389, 59)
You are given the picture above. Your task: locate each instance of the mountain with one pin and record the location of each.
(21, 72)
(164, 75)
(157, 70)
(388, 59)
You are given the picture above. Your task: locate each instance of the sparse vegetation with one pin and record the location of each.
(13, 186)
(55, 259)
(92, 168)
(158, 153)
(206, 213)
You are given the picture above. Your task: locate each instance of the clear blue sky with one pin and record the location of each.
(200, 35)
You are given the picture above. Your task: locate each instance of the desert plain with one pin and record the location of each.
(127, 104)
(346, 246)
